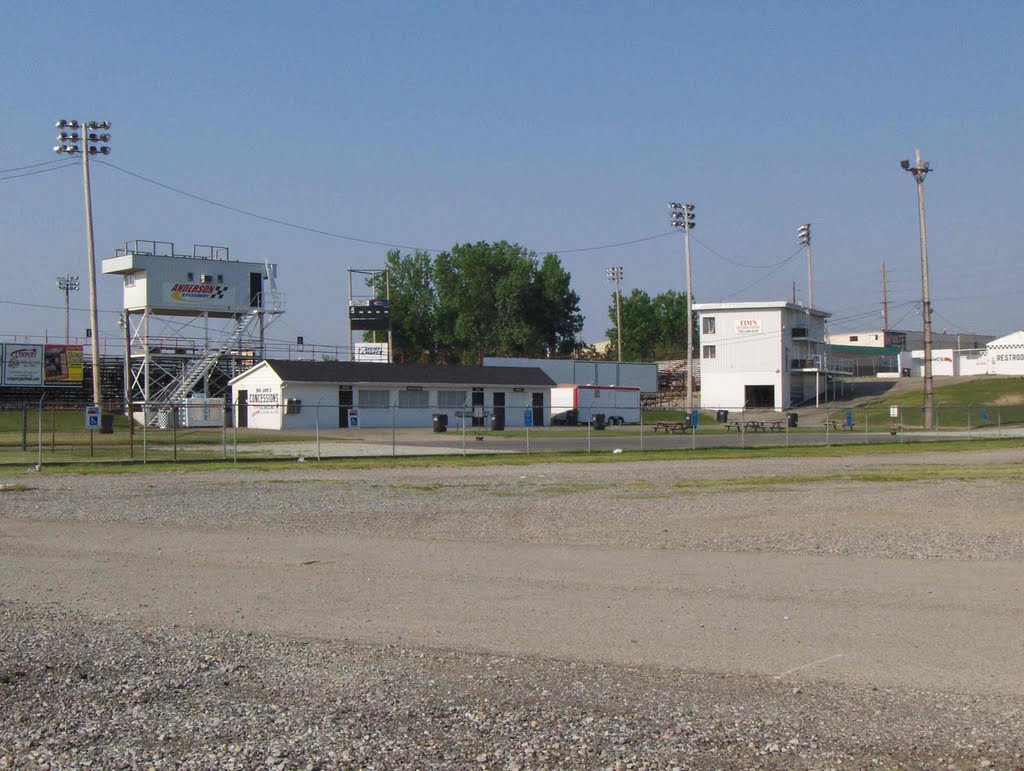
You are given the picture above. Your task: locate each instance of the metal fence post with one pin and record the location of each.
(39, 458)
(174, 430)
(24, 427)
(145, 428)
(462, 414)
(969, 421)
(590, 420)
(234, 431)
(394, 405)
(866, 438)
(641, 429)
(224, 430)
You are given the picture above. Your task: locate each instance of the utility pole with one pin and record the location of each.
(885, 304)
(804, 234)
(681, 216)
(69, 143)
(920, 171)
(615, 276)
(67, 284)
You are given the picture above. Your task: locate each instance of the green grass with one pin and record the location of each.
(121, 466)
(1003, 398)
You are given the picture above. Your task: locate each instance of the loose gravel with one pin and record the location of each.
(107, 691)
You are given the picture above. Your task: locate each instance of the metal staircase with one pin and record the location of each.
(175, 393)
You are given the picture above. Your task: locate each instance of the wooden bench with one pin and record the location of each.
(669, 426)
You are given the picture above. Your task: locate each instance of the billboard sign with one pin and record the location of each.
(23, 364)
(371, 352)
(62, 365)
(748, 326)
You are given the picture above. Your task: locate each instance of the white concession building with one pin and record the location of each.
(281, 394)
(763, 355)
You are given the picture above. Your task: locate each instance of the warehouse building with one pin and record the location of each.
(282, 394)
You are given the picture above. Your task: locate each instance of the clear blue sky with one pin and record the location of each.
(554, 125)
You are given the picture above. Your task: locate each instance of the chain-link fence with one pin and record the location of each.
(35, 433)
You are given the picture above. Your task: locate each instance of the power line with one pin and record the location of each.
(766, 276)
(737, 262)
(38, 171)
(370, 241)
(31, 166)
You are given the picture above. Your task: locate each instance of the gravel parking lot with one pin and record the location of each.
(783, 613)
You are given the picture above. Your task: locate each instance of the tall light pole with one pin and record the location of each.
(615, 276)
(803, 233)
(67, 284)
(920, 171)
(85, 144)
(681, 216)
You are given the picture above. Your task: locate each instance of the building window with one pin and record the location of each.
(708, 323)
(854, 338)
(451, 399)
(129, 280)
(293, 407)
(370, 398)
(709, 352)
(190, 277)
(414, 398)
(799, 332)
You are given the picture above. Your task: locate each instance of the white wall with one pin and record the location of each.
(944, 363)
(641, 375)
(1006, 361)
(263, 384)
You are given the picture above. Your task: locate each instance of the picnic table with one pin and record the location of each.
(669, 426)
(840, 425)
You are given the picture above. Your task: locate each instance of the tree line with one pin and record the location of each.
(501, 299)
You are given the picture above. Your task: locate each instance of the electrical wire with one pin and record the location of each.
(39, 171)
(33, 165)
(739, 264)
(356, 239)
(766, 276)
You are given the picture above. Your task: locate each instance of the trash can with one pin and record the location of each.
(722, 416)
(106, 423)
(440, 422)
(599, 421)
(906, 372)
(792, 418)
(498, 421)
(572, 418)
(687, 421)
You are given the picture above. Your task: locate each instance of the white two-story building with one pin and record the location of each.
(763, 355)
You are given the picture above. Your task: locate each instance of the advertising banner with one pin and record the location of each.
(748, 326)
(23, 364)
(62, 365)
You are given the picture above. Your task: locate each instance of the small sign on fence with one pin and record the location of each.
(528, 418)
(92, 418)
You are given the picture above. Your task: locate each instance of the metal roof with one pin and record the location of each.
(370, 372)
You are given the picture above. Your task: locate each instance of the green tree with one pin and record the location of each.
(413, 305)
(652, 328)
(496, 299)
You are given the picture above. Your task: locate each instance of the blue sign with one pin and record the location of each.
(984, 416)
(849, 417)
(528, 418)
(694, 418)
(92, 418)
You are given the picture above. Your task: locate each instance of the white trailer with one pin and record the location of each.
(583, 403)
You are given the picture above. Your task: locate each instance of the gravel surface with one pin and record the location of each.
(76, 691)
(85, 682)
